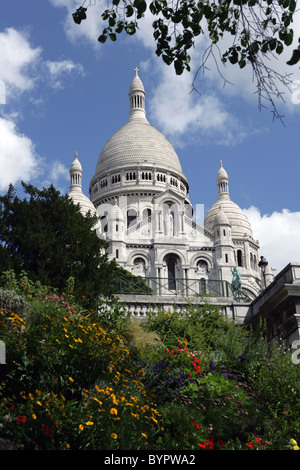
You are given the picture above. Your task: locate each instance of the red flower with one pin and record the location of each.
(47, 431)
(250, 444)
(22, 419)
(209, 444)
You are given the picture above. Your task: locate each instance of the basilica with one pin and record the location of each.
(141, 196)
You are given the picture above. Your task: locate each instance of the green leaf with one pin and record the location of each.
(167, 59)
(111, 21)
(295, 57)
(242, 63)
(102, 38)
(233, 58)
(112, 36)
(119, 27)
(130, 28)
(178, 64)
(279, 48)
(129, 11)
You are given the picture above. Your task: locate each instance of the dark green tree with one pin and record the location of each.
(45, 235)
(259, 30)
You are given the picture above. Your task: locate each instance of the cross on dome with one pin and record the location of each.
(136, 71)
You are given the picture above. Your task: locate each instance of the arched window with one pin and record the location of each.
(139, 266)
(171, 267)
(131, 217)
(202, 266)
(239, 258)
(202, 286)
(146, 213)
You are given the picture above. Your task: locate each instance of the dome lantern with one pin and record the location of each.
(137, 97)
(222, 182)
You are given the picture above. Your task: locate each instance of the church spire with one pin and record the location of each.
(75, 174)
(137, 96)
(222, 183)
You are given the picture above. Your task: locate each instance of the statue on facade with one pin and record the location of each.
(236, 284)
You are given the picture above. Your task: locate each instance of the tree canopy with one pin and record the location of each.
(45, 235)
(260, 29)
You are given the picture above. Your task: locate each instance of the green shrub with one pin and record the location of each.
(80, 379)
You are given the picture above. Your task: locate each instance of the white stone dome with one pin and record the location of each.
(238, 220)
(115, 213)
(240, 225)
(221, 218)
(75, 192)
(138, 143)
(85, 204)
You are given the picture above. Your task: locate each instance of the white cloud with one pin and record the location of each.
(88, 29)
(179, 112)
(19, 73)
(58, 171)
(16, 61)
(60, 70)
(23, 68)
(18, 160)
(278, 235)
(57, 174)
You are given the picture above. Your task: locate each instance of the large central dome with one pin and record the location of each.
(138, 143)
(137, 154)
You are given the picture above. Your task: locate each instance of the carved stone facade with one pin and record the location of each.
(142, 198)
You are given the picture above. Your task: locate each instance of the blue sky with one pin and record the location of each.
(61, 91)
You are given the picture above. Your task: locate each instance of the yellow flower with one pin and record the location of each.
(33, 416)
(145, 435)
(97, 400)
(113, 411)
(30, 396)
(81, 427)
(39, 403)
(293, 442)
(89, 423)
(114, 435)
(71, 379)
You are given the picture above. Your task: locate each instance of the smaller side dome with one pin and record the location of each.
(238, 220)
(221, 218)
(115, 213)
(75, 192)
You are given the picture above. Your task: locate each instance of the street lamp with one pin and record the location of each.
(263, 264)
